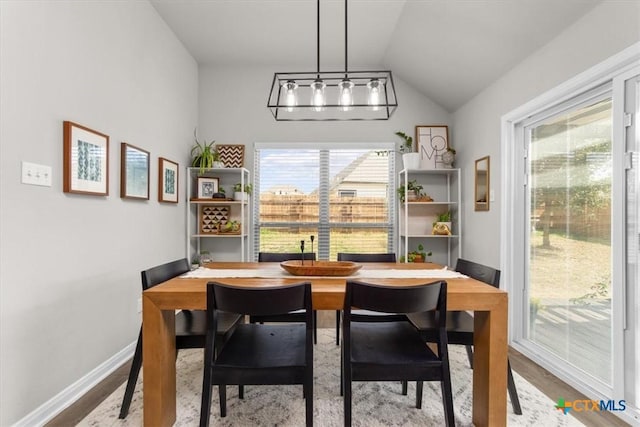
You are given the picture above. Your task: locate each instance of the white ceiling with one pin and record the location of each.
(449, 50)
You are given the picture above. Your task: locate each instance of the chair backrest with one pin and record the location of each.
(164, 272)
(259, 301)
(284, 256)
(384, 257)
(396, 299)
(479, 272)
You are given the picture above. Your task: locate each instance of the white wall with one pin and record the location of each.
(233, 109)
(69, 264)
(607, 29)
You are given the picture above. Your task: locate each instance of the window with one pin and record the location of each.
(343, 195)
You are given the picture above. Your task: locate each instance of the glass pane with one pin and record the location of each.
(570, 243)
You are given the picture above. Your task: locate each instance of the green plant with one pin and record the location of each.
(238, 188)
(407, 142)
(417, 254)
(195, 259)
(411, 186)
(204, 153)
(443, 217)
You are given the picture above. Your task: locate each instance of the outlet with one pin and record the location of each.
(139, 305)
(35, 174)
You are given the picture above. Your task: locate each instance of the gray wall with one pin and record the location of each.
(604, 31)
(69, 265)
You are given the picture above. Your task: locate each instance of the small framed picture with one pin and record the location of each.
(207, 187)
(134, 172)
(167, 181)
(85, 160)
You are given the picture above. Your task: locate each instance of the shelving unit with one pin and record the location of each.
(204, 214)
(416, 218)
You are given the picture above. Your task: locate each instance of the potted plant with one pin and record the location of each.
(230, 227)
(413, 191)
(418, 255)
(442, 224)
(410, 159)
(241, 194)
(205, 155)
(195, 261)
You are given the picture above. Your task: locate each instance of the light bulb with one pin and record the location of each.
(290, 94)
(375, 86)
(346, 94)
(317, 95)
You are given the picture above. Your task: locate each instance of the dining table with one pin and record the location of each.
(188, 292)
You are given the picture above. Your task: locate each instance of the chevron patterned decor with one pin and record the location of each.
(231, 155)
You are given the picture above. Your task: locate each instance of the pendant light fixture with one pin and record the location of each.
(332, 95)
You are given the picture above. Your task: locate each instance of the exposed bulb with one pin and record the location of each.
(374, 93)
(290, 94)
(317, 95)
(346, 94)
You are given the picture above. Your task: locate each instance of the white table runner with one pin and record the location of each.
(363, 273)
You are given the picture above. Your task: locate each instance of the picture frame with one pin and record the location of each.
(232, 155)
(432, 142)
(85, 160)
(134, 172)
(167, 181)
(207, 187)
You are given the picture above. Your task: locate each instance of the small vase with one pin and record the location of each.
(411, 160)
(218, 165)
(240, 196)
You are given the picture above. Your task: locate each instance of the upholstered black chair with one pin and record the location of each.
(395, 350)
(460, 323)
(358, 257)
(255, 353)
(191, 325)
(288, 317)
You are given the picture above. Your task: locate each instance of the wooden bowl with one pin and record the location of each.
(320, 268)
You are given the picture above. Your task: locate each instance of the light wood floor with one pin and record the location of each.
(536, 375)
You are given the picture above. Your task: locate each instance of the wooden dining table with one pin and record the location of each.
(160, 302)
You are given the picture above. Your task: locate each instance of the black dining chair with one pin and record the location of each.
(190, 329)
(287, 317)
(258, 354)
(460, 323)
(395, 350)
(363, 258)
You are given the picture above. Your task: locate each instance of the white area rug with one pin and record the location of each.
(374, 404)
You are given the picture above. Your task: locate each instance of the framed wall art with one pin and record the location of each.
(134, 172)
(167, 181)
(231, 155)
(85, 160)
(207, 187)
(432, 143)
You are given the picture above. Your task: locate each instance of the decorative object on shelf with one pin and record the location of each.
(241, 194)
(207, 187)
(321, 95)
(432, 142)
(167, 181)
(230, 227)
(448, 157)
(134, 172)
(302, 250)
(312, 237)
(195, 262)
(419, 255)
(413, 192)
(410, 158)
(211, 217)
(86, 160)
(205, 154)
(442, 224)
(220, 194)
(205, 257)
(231, 155)
(320, 268)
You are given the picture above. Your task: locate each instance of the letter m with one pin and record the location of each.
(607, 405)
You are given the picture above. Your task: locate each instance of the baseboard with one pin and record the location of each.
(75, 391)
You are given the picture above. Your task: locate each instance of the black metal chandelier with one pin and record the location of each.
(332, 95)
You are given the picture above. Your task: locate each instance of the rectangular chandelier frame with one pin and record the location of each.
(361, 109)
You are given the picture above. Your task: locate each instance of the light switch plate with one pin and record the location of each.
(492, 196)
(35, 174)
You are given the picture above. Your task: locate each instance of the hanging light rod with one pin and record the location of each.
(332, 95)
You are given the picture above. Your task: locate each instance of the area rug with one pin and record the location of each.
(374, 404)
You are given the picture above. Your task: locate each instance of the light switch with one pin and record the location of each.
(492, 195)
(35, 174)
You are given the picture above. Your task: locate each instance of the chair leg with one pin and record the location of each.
(347, 402)
(240, 391)
(419, 385)
(337, 327)
(133, 378)
(513, 393)
(308, 403)
(222, 392)
(470, 355)
(405, 388)
(205, 404)
(447, 397)
(315, 326)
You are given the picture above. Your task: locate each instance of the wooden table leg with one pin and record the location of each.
(490, 366)
(159, 364)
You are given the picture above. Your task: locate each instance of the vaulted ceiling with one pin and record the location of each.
(449, 50)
